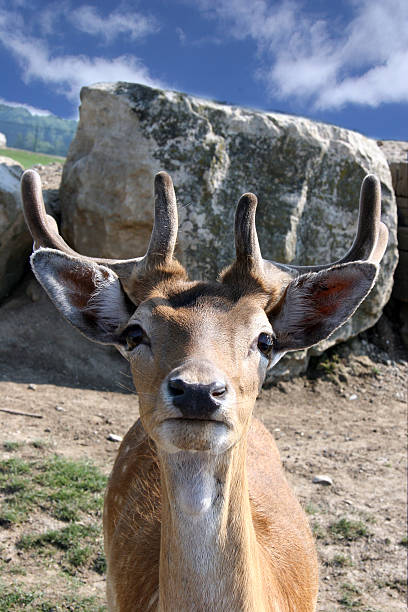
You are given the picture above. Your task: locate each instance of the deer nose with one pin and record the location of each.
(195, 400)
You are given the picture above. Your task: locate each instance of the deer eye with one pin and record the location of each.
(265, 343)
(134, 336)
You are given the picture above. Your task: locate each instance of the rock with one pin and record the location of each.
(397, 156)
(15, 239)
(3, 141)
(363, 360)
(38, 346)
(307, 176)
(399, 173)
(322, 479)
(402, 210)
(50, 179)
(114, 438)
(32, 387)
(395, 151)
(352, 397)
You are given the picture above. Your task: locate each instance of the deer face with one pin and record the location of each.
(198, 358)
(199, 351)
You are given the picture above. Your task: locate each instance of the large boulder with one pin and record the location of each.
(15, 241)
(38, 346)
(307, 176)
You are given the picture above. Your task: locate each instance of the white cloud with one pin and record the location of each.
(87, 19)
(385, 83)
(68, 73)
(32, 109)
(71, 72)
(324, 63)
(181, 35)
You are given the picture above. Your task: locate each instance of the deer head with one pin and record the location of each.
(199, 351)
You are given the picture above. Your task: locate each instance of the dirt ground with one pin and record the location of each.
(347, 420)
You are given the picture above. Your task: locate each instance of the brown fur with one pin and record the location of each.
(267, 560)
(132, 523)
(198, 515)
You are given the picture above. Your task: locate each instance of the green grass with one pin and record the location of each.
(318, 531)
(340, 560)
(350, 596)
(17, 597)
(14, 599)
(328, 365)
(63, 488)
(79, 542)
(28, 158)
(10, 447)
(38, 444)
(70, 491)
(349, 530)
(398, 584)
(14, 486)
(350, 599)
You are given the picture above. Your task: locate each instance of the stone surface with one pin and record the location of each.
(38, 346)
(323, 479)
(397, 156)
(394, 150)
(307, 176)
(15, 239)
(15, 242)
(114, 437)
(399, 173)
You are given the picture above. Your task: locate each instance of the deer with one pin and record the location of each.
(198, 514)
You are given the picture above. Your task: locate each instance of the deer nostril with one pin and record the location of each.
(177, 386)
(196, 400)
(218, 389)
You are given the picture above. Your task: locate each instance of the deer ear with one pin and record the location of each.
(316, 304)
(87, 294)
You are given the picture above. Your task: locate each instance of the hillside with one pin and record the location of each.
(42, 134)
(28, 159)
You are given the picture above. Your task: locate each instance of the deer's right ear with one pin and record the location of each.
(317, 303)
(87, 294)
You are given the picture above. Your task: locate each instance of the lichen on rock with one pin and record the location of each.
(307, 177)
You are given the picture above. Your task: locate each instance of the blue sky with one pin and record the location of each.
(343, 61)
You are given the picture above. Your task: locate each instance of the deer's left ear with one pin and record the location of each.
(315, 304)
(87, 294)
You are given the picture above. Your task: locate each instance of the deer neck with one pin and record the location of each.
(209, 557)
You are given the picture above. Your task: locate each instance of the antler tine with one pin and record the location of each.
(246, 239)
(381, 244)
(368, 221)
(41, 225)
(44, 229)
(164, 233)
(371, 237)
